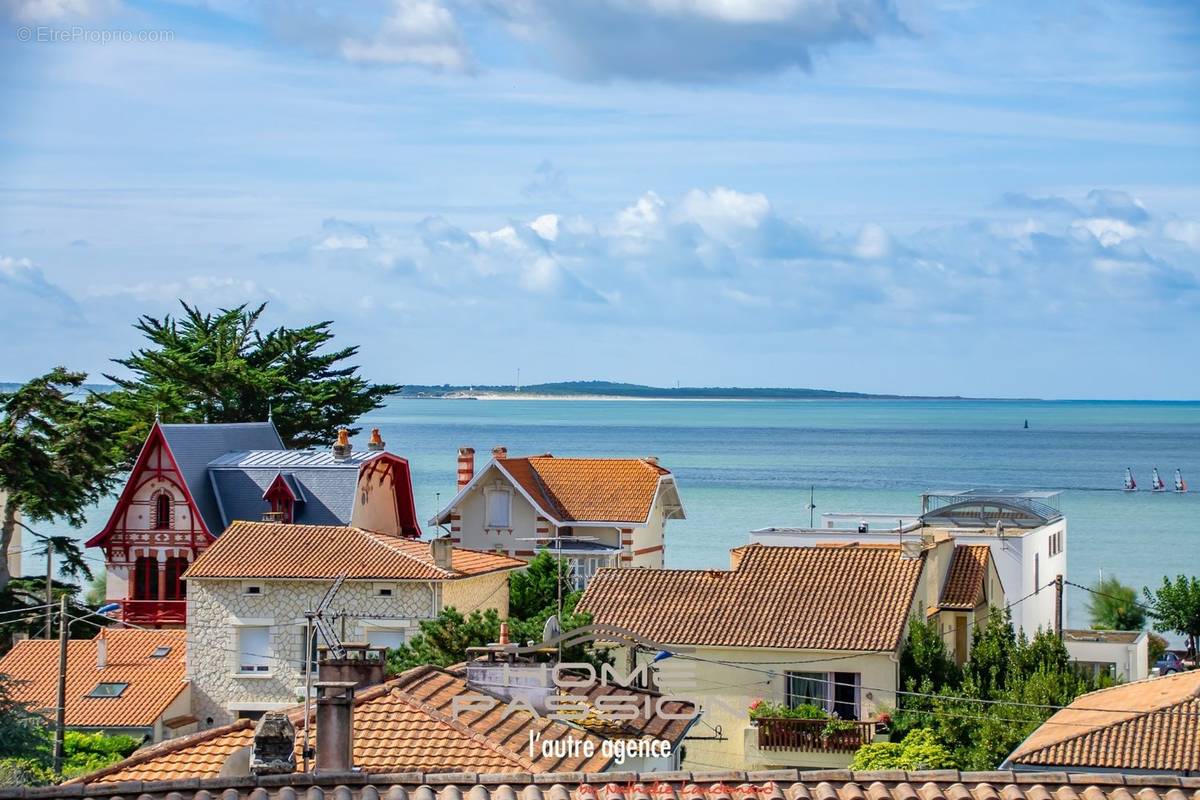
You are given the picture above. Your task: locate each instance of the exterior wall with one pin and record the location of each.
(482, 593)
(180, 707)
(375, 503)
(470, 531)
(217, 608)
(648, 542)
(726, 692)
(1129, 659)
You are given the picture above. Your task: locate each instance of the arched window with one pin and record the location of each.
(145, 578)
(162, 511)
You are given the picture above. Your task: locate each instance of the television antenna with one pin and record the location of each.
(315, 622)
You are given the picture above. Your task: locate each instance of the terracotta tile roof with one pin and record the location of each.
(966, 578)
(1151, 724)
(152, 683)
(802, 598)
(272, 550)
(406, 723)
(778, 784)
(588, 489)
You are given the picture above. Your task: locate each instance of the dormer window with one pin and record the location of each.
(162, 511)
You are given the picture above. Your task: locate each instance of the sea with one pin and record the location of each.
(748, 464)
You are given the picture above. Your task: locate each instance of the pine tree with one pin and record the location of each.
(222, 368)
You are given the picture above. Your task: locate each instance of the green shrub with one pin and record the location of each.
(920, 749)
(765, 709)
(24, 772)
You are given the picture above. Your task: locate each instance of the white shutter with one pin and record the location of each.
(254, 649)
(498, 505)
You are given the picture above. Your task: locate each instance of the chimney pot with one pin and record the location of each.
(335, 726)
(341, 449)
(376, 443)
(466, 465)
(651, 460)
(499, 452)
(442, 550)
(503, 633)
(101, 651)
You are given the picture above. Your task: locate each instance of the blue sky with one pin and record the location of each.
(994, 199)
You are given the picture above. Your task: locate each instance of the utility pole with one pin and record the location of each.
(60, 716)
(49, 587)
(1058, 606)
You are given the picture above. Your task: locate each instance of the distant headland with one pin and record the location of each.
(610, 390)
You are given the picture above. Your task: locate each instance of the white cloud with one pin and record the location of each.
(722, 210)
(873, 242)
(546, 226)
(42, 11)
(417, 32)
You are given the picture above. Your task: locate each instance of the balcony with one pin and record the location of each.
(153, 612)
(810, 735)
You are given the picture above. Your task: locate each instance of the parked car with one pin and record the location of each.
(1170, 662)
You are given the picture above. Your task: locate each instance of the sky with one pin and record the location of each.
(917, 197)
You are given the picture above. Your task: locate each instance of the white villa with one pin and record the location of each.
(595, 512)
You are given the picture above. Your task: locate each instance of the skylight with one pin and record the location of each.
(108, 690)
(162, 651)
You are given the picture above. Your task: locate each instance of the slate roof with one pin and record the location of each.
(406, 723)
(777, 784)
(801, 598)
(326, 487)
(966, 578)
(153, 683)
(1152, 724)
(275, 550)
(193, 446)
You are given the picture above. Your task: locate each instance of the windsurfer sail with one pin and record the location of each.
(1180, 486)
(1130, 483)
(1156, 482)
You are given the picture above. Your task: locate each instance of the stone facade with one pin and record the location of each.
(220, 612)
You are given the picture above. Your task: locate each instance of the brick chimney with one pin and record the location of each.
(335, 726)
(442, 550)
(499, 452)
(376, 443)
(466, 465)
(341, 448)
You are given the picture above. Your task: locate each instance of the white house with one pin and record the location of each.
(595, 512)
(1025, 531)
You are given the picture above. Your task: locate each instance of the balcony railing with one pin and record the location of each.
(810, 734)
(154, 612)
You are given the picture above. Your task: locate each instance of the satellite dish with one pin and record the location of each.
(552, 629)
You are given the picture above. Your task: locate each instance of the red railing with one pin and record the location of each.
(811, 734)
(154, 612)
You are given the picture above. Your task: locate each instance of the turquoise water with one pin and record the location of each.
(744, 465)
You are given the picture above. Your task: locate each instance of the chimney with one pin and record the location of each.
(360, 664)
(500, 453)
(442, 550)
(335, 726)
(101, 651)
(466, 465)
(910, 549)
(652, 460)
(274, 745)
(341, 449)
(503, 634)
(376, 443)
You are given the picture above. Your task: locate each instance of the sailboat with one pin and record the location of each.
(1180, 486)
(1156, 482)
(1130, 483)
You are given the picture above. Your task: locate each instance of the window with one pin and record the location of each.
(806, 689)
(108, 690)
(162, 511)
(499, 508)
(175, 588)
(583, 569)
(254, 648)
(385, 590)
(1056, 543)
(390, 638)
(832, 692)
(161, 651)
(1037, 574)
(252, 589)
(145, 578)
